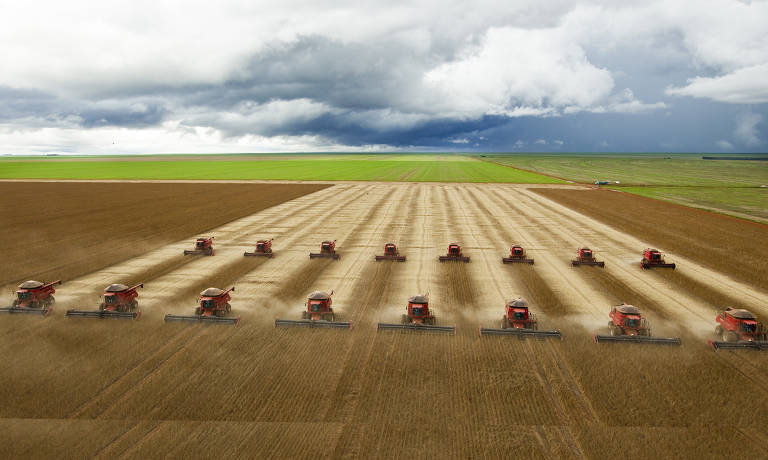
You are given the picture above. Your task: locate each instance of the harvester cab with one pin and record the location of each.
(418, 316)
(318, 313)
(739, 328)
(119, 302)
(517, 255)
(454, 253)
(263, 249)
(390, 253)
(585, 256)
(652, 258)
(327, 250)
(628, 325)
(33, 297)
(519, 321)
(203, 246)
(213, 306)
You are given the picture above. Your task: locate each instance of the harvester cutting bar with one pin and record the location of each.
(326, 255)
(417, 327)
(313, 323)
(510, 260)
(647, 266)
(203, 319)
(386, 257)
(33, 311)
(521, 333)
(104, 314)
(588, 262)
(638, 339)
(756, 345)
(455, 259)
(259, 254)
(197, 252)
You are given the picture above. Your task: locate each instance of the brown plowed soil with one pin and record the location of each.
(144, 388)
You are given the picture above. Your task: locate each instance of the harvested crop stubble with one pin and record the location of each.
(75, 228)
(724, 243)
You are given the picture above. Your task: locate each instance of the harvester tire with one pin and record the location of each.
(219, 313)
(730, 336)
(304, 315)
(504, 322)
(719, 329)
(197, 311)
(404, 319)
(228, 308)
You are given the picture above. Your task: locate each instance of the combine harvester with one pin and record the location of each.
(516, 256)
(652, 258)
(203, 247)
(628, 325)
(454, 254)
(263, 249)
(213, 308)
(418, 318)
(119, 302)
(740, 330)
(585, 256)
(520, 322)
(390, 253)
(33, 297)
(319, 313)
(327, 250)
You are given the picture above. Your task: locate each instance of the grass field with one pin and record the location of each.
(731, 187)
(411, 168)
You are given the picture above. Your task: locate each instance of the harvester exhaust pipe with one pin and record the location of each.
(313, 323)
(521, 333)
(638, 339)
(416, 327)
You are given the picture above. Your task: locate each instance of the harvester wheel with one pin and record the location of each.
(50, 301)
(134, 305)
(219, 313)
(616, 331)
(404, 319)
(102, 306)
(730, 336)
(228, 308)
(197, 311)
(719, 329)
(504, 322)
(304, 315)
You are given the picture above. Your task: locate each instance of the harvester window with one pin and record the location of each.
(200, 244)
(416, 311)
(747, 327)
(207, 303)
(655, 256)
(110, 298)
(454, 250)
(23, 295)
(519, 315)
(632, 322)
(518, 252)
(316, 307)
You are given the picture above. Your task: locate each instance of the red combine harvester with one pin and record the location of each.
(418, 317)
(652, 258)
(628, 325)
(119, 302)
(213, 308)
(263, 249)
(454, 253)
(519, 321)
(33, 297)
(390, 253)
(319, 313)
(585, 256)
(739, 329)
(517, 255)
(203, 247)
(327, 250)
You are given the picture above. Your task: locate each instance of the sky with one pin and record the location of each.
(115, 77)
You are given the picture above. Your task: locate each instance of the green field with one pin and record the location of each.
(731, 187)
(411, 168)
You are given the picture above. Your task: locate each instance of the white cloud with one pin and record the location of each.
(748, 85)
(724, 145)
(460, 141)
(540, 142)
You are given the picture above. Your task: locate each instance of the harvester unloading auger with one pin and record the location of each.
(119, 302)
(33, 297)
(418, 317)
(519, 321)
(740, 330)
(203, 247)
(628, 325)
(213, 306)
(318, 313)
(327, 250)
(263, 249)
